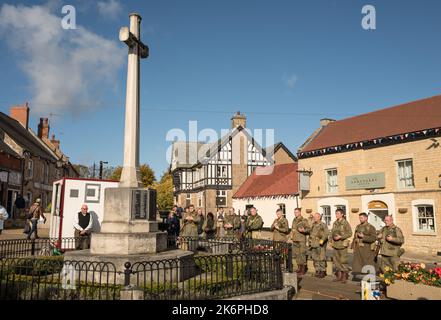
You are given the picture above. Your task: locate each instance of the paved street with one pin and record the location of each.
(311, 288)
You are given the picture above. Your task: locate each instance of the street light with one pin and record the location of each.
(101, 168)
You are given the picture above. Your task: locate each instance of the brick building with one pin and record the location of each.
(35, 161)
(383, 162)
(208, 174)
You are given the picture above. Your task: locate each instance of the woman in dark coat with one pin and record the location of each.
(209, 226)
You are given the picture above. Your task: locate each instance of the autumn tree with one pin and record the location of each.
(147, 175)
(164, 192)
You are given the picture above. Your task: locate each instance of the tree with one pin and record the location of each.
(147, 175)
(82, 170)
(164, 192)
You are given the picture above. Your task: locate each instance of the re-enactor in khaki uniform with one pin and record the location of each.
(318, 239)
(253, 225)
(299, 230)
(280, 227)
(391, 239)
(363, 245)
(340, 234)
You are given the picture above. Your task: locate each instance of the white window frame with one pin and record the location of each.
(200, 199)
(222, 194)
(322, 211)
(188, 199)
(331, 188)
(222, 171)
(403, 180)
(421, 203)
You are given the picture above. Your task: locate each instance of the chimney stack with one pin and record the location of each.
(56, 143)
(43, 128)
(324, 122)
(21, 114)
(238, 120)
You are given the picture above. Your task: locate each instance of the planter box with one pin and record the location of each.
(404, 290)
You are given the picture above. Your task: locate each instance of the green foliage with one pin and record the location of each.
(164, 190)
(147, 175)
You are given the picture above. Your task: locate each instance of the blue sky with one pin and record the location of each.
(285, 64)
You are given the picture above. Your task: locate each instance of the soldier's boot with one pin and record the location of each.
(338, 276)
(302, 270)
(321, 274)
(344, 277)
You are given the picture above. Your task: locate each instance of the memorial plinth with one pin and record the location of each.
(129, 225)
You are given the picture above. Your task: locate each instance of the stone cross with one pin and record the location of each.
(130, 176)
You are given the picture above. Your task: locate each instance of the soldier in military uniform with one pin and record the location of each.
(280, 227)
(340, 234)
(300, 228)
(363, 245)
(253, 225)
(318, 239)
(391, 239)
(232, 224)
(191, 221)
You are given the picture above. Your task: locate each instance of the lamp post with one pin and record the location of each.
(101, 168)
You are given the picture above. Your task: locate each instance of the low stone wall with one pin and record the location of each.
(283, 294)
(404, 290)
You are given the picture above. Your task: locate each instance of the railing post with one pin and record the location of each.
(229, 266)
(278, 270)
(289, 259)
(32, 247)
(127, 273)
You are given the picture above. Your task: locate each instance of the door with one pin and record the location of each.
(378, 210)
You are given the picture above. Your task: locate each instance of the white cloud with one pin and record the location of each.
(290, 81)
(68, 70)
(110, 9)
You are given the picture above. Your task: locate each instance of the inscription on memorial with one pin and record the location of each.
(144, 204)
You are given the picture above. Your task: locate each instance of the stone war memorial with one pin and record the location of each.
(130, 258)
(129, 231)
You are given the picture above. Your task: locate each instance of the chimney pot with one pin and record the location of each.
(43, 128)
(238, 120)
(325, 121)
(21, 114)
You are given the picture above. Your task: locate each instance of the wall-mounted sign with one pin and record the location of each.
(366, 181)
(304, 178)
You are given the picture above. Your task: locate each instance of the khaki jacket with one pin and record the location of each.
(234, 220)
(369, 233)
(297, 223)
(391, 248)
(282, 232)
(253, 225)
(319, 231)
(343, 229)
(190, 228)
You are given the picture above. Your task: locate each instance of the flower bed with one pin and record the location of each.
(412, 281)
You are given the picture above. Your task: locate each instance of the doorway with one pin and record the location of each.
(378, 210)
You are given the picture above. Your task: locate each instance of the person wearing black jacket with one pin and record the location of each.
(83, 225)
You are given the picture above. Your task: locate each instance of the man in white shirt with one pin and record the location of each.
(83, 224)
(3, 216)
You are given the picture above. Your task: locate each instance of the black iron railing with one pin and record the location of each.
(191, 277)
(36, 247)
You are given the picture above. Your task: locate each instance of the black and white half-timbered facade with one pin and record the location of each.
(208, 174)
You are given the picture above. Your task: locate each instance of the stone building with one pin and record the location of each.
(41, 160)
(269, 192)
(386, 162)
(208, 174)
